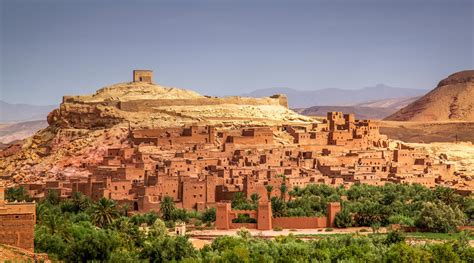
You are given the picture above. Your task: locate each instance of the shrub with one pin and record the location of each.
(329, 229)
(439, 217)
(394, 237)
(209, 215)
(344, 219)
(278, 228)
(402, 220)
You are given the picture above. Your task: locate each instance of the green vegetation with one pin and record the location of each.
(374, 248)
(438, 210)
(79, 229)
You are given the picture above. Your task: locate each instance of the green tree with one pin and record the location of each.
(167, 208)
(269, 189)
(17, 194)
(53, 220)
(401, 252)
(104, 212)
(52, 197)
(209, 215)
(158, 229)
(168, 249)
(444, 253)
(439, 217)
(283, 189)
(279, 207)
(394, 237)
(255, 197)
(180, 215)
(89, 243)
(344, 219)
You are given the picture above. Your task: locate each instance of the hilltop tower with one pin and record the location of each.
(140, 75)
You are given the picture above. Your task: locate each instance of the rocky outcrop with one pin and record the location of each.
(451, 100)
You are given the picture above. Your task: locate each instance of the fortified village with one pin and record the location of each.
(202, 164)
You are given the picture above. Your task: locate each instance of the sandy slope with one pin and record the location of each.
(452, 99)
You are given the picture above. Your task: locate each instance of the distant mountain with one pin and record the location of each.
(451, 100)
(360, 112)
(337, 97)
(377, 109)
(19, 131)
(393, 103)
(23, 112)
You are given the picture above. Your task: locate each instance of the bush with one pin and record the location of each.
(329, 229)
(180, 215)
(278, 228)
(343, 219)
(394, 237)
(402, 252)
(439, 217)
(209, 215)
(402, 220)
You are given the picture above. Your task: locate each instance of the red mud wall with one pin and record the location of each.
(300, 222)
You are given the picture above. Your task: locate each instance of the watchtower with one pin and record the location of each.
(140, 75)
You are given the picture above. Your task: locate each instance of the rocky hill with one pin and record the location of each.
(148, 105)
(84, 127)
(451, 100)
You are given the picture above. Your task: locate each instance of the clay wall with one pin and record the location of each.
(300, 222)
(17, 223)
(265, 220)
(148, 105)
(194, 192)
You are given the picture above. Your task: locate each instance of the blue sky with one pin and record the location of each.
(53, 48)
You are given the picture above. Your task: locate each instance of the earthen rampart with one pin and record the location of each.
(148, 105)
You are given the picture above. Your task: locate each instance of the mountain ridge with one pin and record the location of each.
(337, 96)
(21, 112)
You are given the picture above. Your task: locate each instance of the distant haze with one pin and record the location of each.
(338, 97)
(53, 48)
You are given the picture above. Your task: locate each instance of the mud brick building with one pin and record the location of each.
(202, 166)
(17, 223)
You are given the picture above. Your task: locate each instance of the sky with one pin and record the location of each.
(55, 48)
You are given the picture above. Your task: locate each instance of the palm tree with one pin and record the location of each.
(80, 202)
(283, 189)
(294, 192)
(104, 212)
(52, 220)
(269, 191)
(125, 208)
(255, 197)
(167, 207)
(239, 200)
